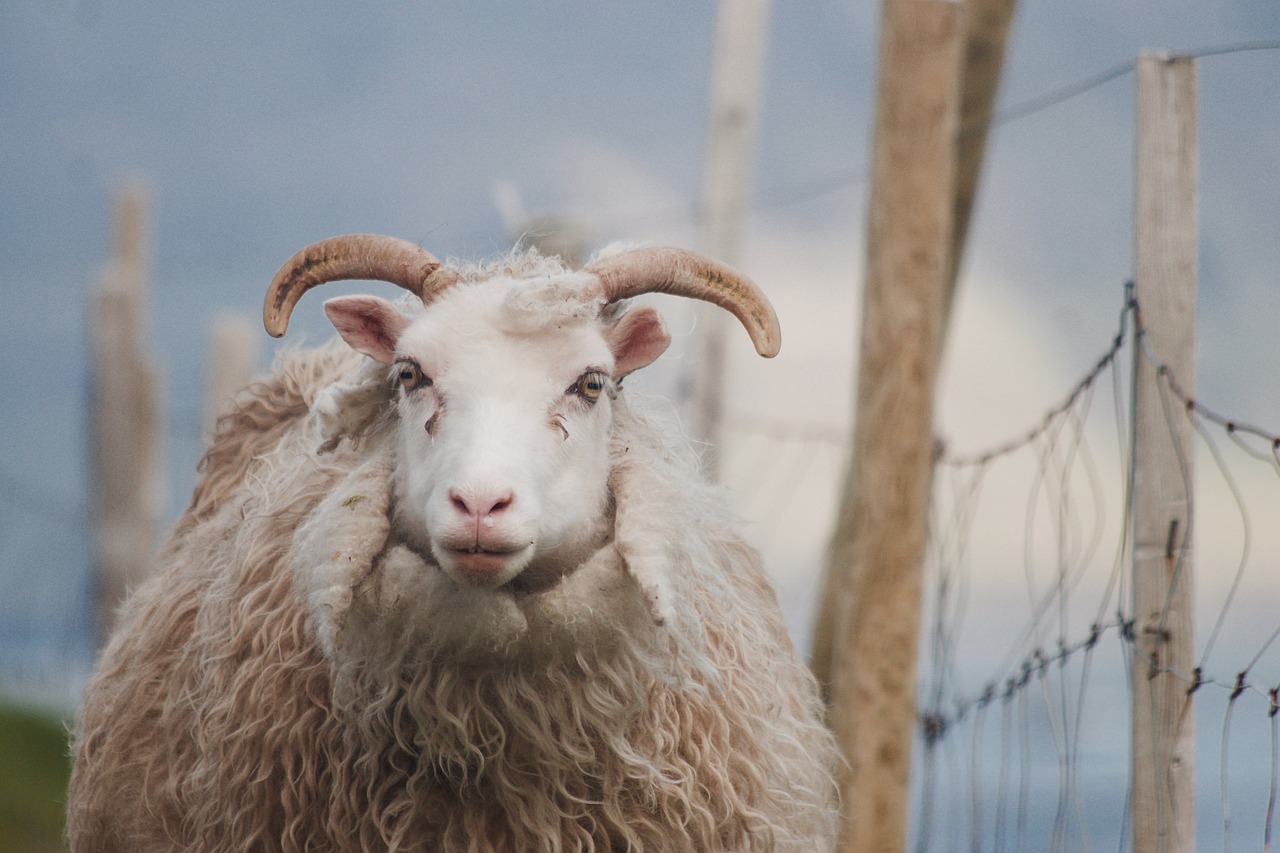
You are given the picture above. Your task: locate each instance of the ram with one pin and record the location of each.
(451, 588)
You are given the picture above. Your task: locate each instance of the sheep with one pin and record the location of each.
(446, 586)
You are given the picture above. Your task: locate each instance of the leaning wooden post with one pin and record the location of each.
(987, 33)
(873, 585)
(1163, 734)
(127, 432)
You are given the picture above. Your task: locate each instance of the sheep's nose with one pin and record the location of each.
(481, 504)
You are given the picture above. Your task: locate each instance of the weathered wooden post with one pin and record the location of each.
(1165, 285)
(866, 641)
(127, 432)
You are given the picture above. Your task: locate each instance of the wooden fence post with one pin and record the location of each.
(127, 431)
(867, 655)
(1163, 733)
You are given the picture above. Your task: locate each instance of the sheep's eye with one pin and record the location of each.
(590, 385)
(410, 375)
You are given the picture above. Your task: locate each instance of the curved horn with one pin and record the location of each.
(684, 273)
(352, 256)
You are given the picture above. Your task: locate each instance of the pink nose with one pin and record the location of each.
(480, 504)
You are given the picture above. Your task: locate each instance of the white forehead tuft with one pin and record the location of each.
(534, 304)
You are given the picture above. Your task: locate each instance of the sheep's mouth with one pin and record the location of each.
(481, 553)
(481, 561)
(471, 564)
(532, 579)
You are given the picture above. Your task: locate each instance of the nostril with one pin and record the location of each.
(459, 503)
(500, 504)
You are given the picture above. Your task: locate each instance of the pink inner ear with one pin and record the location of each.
(636, 338)
(369, 324)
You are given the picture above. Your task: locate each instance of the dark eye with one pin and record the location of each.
(590, 385)
(410, 375)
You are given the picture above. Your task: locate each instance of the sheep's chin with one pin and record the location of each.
(411, 605)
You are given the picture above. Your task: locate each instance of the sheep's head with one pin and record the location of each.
(505, 390)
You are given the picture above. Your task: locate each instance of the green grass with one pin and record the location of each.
(34, 768)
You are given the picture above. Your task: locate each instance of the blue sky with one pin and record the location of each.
(260, 127)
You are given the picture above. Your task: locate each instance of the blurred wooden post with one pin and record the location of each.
(742, 28)
(865, 652)
(986, 34)
(233, 358)
(127, 430)
(1163, 730)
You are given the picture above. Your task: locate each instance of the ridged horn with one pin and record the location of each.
(352, 256)
(683, 273)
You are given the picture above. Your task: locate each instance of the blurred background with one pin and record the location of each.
(251, 130)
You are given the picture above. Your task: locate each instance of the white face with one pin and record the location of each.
(503, 427)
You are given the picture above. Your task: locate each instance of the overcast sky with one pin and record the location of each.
(260, 127)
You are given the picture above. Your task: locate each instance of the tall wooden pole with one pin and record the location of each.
(987, 28)
(873, 587)
(986, 34)
(1163, 732)
(127, 432)
(742, 28)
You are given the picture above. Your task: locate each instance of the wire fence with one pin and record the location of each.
(1029, 646)
(1027, 687)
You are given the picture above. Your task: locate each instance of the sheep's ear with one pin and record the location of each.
(369, 324)
(636, 338)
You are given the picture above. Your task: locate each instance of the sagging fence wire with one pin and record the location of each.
(966, 472)
(1056, 651)
(693, 213)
